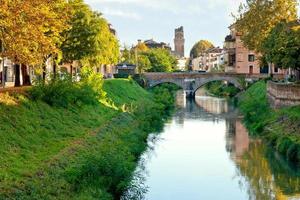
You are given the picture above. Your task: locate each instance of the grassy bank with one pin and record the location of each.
(78, 152)
(280, 128)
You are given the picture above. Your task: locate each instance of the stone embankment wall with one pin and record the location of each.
(283, 95)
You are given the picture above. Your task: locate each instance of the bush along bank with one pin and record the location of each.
(220, 89)
(76, 149)
(280, 128)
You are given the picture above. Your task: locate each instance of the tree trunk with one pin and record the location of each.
(17, 75)
(44, 72)
(54, 69)
(71, 71)
(25, 75)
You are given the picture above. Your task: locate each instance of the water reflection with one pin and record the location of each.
(206, 148)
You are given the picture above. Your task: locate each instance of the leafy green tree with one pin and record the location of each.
(143, 63)
(282, 46)
(127, 55)
(200, 47)
(161, 60)
(256, 19)
(89, 39)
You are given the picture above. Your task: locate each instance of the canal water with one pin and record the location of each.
(205, 152)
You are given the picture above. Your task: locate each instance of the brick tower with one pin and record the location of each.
(179, 42)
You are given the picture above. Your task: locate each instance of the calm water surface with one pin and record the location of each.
(204, 152)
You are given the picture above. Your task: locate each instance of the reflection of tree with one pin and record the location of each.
(265, 178)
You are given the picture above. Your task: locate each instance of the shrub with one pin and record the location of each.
(63, 92)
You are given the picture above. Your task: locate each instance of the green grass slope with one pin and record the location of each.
(281, 127)
(86, 152)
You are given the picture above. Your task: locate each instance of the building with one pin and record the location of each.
(211, 59)
(240, 59)
(126, 69)
(179, 42)
(151, 44)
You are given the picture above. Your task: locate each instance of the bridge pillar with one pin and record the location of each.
(189, 94)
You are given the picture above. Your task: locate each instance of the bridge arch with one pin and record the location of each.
(157, 83)
(231, 80)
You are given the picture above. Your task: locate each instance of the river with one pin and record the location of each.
(205, 152)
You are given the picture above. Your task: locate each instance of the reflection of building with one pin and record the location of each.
(214, 105)
(237, 138)
(181, 99)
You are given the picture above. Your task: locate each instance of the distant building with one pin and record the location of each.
(126, 69)
(151, 44)
(179, 42)
(211, 59)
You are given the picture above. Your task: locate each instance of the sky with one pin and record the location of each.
(157, 19)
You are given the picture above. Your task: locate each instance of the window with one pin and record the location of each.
(276, 69)
(251, 58)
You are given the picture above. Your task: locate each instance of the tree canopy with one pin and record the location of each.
(282, 46)
(89, 40)
(256, 19)
(200, 47)
(161, 60)
(30, 30)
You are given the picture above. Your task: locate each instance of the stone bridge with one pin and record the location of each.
(190, 82)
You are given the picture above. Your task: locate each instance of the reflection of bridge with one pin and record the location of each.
(190, 82)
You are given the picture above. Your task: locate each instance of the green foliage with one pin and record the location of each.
(164, 96)
(257, 18)
(63, 92)
(161, 60)
(89, 39)
(220, 89)
(255, 107)
(87, 152)
(282, 46)
(278, 127)
(200, 47)
(143, 63)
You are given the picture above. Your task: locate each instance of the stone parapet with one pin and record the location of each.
(282, 94)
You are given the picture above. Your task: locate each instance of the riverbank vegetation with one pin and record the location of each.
(221, 89)
(280, 128)
(65, 147)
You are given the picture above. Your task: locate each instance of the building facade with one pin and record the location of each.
(240, 59)
(211, 59)
(179, 42)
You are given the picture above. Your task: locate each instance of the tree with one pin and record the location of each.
(200, 47)
(140, 47)
(30, 30)
(282, 46)
(143, 63)
(127, 56)
(257, 18)
(89, 39)
(161, 60)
